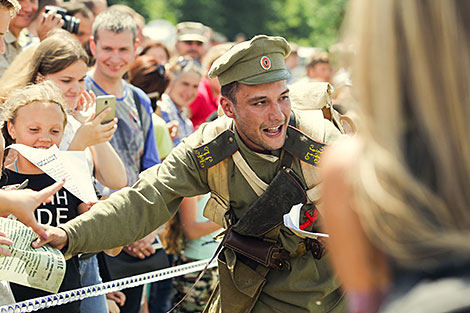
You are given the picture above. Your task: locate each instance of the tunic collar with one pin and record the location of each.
(273, 158)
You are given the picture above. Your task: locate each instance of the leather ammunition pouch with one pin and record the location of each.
(266, 253)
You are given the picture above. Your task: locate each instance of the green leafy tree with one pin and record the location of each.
(307, 22)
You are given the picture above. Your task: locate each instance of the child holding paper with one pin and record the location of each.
(35, 116)
(20, 203)
(61, 59)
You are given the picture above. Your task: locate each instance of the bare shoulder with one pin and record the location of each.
(339, 157)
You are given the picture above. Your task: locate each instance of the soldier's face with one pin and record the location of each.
(261, 114)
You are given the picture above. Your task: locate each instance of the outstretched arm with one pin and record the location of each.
(22, 203)
(131, 213)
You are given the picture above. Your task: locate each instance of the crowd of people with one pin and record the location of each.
(208, 143)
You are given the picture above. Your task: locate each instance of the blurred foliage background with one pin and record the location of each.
(307, 22)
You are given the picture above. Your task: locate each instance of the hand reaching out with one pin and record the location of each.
(22, 203)
(56, 237)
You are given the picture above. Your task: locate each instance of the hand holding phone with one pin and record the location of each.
(104, 102)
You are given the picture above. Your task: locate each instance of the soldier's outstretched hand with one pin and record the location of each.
(56, 237)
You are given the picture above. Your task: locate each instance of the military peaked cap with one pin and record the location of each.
(254, 62)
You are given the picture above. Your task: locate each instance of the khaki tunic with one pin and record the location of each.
(130, 214)
(13, 47)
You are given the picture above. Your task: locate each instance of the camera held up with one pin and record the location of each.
(71, 23)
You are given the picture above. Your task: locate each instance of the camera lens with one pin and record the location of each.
(71, 24)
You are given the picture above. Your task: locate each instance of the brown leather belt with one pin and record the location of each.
(266, 253)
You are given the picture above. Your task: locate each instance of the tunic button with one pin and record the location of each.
(318, 303)
(230, 139)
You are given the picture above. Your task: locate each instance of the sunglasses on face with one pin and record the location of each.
(160, 71)
(193, 42)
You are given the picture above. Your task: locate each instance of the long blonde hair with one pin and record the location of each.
(411, 71)
(52, 55)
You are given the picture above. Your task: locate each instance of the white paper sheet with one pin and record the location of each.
(42, 268)
(69, 165)
(292, 221)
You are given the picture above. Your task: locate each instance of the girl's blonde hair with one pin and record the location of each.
(46, 92)
(52, 55)
(180, 65)
(411, 71)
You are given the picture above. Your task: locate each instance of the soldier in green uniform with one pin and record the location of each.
(257, 160)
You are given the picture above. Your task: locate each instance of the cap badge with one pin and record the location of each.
(265, 62)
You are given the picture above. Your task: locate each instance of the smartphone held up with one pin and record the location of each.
(104, 102)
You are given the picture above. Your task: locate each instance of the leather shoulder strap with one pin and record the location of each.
(218, 205)
(218, 145)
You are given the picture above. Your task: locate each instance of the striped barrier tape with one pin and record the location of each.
(104, 288)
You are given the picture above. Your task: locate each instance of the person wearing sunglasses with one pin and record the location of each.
(192, 40)
(185, 76)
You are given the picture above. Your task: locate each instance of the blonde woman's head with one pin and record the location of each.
(411, 76)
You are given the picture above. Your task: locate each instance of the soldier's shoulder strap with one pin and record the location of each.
(303, 133)
(307, 141)
(317, 124)
(218, 144)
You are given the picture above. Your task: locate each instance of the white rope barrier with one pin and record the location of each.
(104, 288)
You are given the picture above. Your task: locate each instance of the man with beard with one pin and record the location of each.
(192, 40)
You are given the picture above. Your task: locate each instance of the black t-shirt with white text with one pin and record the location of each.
(63, 208)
